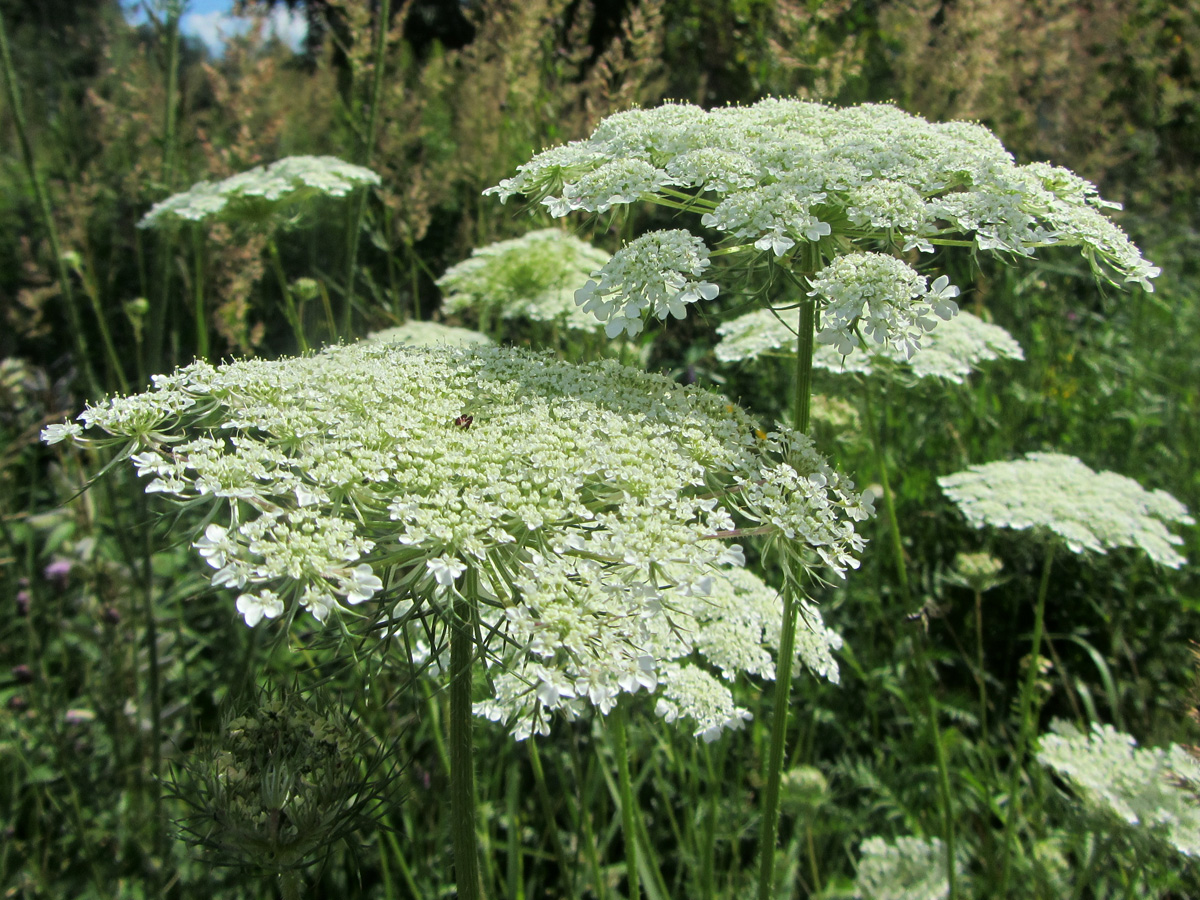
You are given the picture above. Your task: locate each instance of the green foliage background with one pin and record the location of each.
(117, 656)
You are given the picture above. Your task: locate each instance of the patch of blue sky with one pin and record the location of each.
(212, 22)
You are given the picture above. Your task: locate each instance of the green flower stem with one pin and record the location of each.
(946, 795)
(384, 15)
(783, 686)
(982, 673)
(83, 359)
(547, 804)
(158, 311)
(1025, 704)
(462, 762)
(801, 407)
(617, 722)
(289, 302)
(198, 293)
(889, 500)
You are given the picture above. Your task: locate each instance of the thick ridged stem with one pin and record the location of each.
(801, 405)
(462, 760)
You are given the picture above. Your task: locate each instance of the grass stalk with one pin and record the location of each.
(381, 31)
(290, 311)
(547, 804)
(1025, 705)
(889, 500)
(618, 723)
(83, 359)
(158, 311)
(198, 293)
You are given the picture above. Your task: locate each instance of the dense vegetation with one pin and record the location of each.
(125, 672)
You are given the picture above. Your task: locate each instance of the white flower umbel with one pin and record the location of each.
(428, 334)
(587, 510)
(784, 175)
(948, 353)
(885, 296)
(1095, 511)
(909, 869)
(1146, 788)
(533, 277)
(658, 273)
(255, 194)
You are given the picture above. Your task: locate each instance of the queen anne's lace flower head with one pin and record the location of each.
(1146, 788)
(255, 193)
(911, 868)
(429, 334)
(658, 272)
(534, 277)
(588, 508)
(1089, 510)
(950, 352)
(781, 173)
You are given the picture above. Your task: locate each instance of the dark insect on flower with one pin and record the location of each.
(464, 422)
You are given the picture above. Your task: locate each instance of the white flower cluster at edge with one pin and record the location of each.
(910, 868)
(1141, 787)
(289, 180)
(1095, 511)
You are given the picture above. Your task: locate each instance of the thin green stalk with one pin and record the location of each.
(617, 722)
(158, 311)
(198, 293)
(462, 760)
(547, 804)
(982, 677)
(289, 302)
(1026, 702)
(83, 359)
(801, 406)
(946, 796)
(889, 501)
(381, 30)
(708, 852)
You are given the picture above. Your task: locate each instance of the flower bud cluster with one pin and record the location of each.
(587, 507)
(1095, 511)
(255, 193)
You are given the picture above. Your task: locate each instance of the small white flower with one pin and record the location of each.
(216, 546)
(361, 584)
(254, 607)
(52, 434)
(446, 569)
